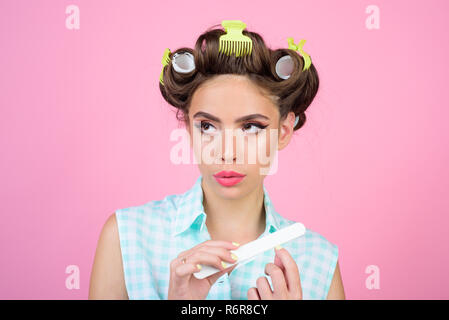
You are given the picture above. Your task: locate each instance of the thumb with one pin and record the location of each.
(213, 278)
(278, 261)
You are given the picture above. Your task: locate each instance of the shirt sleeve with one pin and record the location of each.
(333, 258)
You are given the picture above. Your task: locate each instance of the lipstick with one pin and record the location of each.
(228, 178)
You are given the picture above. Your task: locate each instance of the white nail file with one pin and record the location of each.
(250, 250)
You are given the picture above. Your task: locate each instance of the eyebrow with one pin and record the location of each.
(241, 119)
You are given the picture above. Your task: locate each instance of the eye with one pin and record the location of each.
(204, 126)
(253, 127)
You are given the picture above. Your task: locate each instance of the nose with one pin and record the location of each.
(229, 145)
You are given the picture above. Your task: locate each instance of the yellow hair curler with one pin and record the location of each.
(234, 41)
(298, 47)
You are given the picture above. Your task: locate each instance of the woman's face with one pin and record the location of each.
(234, 126)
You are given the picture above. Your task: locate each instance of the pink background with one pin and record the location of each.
(85, 131)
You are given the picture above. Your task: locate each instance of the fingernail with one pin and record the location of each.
(235, 243)
(223, 264)
(233, 256)
(278, 247)
(199, 266)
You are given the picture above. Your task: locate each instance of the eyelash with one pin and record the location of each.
(258, 125)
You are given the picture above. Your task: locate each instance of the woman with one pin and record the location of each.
(151, 251)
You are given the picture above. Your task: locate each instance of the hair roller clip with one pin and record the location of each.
(183, 62)
(165, 61)
(234, 41)
(284, 67)
(298, 47)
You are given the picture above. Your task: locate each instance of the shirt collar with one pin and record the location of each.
(190, 211)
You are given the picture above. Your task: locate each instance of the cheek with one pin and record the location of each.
(267, 146)
(261, 148)
(258, 156)
(206, 147)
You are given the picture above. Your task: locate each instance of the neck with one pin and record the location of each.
(240, 220)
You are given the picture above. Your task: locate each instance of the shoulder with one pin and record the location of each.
(108, 241)
(312, 241)
(110, 230)
(315, 240)
(140, 225)
(107, 277)
(155, 212)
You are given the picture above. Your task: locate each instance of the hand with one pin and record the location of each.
(284, 275)
(183, 284)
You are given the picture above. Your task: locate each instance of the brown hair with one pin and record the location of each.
(295, 93)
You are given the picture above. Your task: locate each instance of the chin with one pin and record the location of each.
(232, 193)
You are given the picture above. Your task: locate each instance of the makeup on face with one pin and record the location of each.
(212, 126)
(228, 178)
(250, 126)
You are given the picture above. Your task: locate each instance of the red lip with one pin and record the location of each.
(228, 178)
(228, 174)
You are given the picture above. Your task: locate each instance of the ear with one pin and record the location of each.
(286, 130)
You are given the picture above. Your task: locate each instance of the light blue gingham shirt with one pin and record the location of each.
(153, 234)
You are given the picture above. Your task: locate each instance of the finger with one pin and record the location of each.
(213, 278)
(218, 243)
(210, 243)
(183, 273)
(223, 253)
(280, 290)
(206, 258)
(278, 262)
(184, 270)
(291, 272)
(253, 294)
(264, 288)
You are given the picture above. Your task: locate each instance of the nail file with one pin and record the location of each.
(250, 250)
